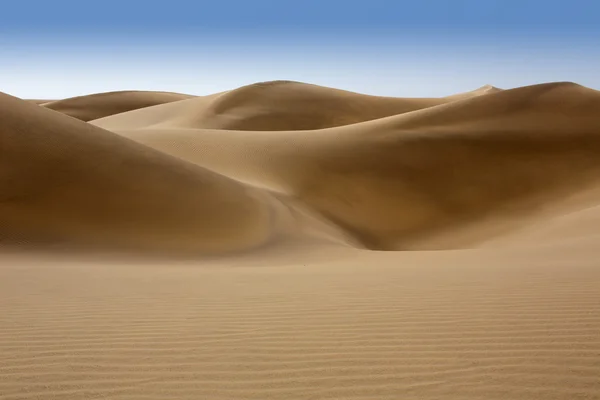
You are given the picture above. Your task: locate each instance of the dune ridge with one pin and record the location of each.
(291, 241)
(483, 90)
(275, 106)
(39, 101)
(99, 105)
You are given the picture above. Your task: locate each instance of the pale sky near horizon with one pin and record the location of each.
(420, 48)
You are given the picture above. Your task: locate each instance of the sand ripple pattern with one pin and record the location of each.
(352, 332)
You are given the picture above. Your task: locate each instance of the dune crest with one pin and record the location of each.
(39, 101)
(285, 105)
(485, 89)
(543, 107)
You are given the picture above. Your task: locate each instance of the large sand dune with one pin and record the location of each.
(66, 181)
(280, 196)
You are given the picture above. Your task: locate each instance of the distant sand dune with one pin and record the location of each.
(283, 105)
(100, 105)
(159, 115)
(225, 246)
(401, 181)
(274, 106)
(486, 89)
(40, 102)
(557, 106)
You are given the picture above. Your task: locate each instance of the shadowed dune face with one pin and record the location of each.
(64, 181)
(505, 154)
(94, 106)
(400, 193)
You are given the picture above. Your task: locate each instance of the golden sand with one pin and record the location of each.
(291, 241)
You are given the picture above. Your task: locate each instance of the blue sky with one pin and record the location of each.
(54, 49)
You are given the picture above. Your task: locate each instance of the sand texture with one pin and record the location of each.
(285, 240)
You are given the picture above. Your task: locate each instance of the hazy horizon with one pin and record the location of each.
(420, 49)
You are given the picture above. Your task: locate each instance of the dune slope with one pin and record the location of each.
(39, 101)
(66, 181)
(483, 90)
(100, 105)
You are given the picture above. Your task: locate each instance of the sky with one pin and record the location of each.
(418, 48)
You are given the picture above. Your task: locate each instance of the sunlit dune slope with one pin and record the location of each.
(39, 101)
(486, 89)
(100, 105)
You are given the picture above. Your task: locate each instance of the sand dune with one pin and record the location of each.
(405, 181)
(66, 181)
(39, 101)
(557, 106)
(157, 115)
(485, 89)
(273, 106)
(222, 246)
(100, 105)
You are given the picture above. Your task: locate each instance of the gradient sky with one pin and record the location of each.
(62, 48)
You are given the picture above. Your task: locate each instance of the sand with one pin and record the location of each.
(291, 241)
(100, 105)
